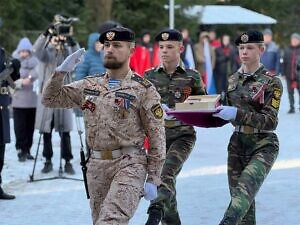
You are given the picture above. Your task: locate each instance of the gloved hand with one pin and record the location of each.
(150, 191)
(19, 83)
(69, 64)
(50, 30)
(166, 109)
(226, 112)
(71, 42)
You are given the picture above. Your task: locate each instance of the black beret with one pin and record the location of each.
(109, 24)
(169, 35)
(117, 34)
(251, 36)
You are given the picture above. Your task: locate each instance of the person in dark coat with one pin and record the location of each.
(290, 59)
(226, 63)
(271, 56)
(9, 72)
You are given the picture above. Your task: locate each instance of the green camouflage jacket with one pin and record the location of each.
(176, 87)
(257, 98)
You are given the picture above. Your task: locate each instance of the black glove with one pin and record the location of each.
(50, 30)
(71, 42)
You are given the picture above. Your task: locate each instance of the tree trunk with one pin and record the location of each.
(98, 12)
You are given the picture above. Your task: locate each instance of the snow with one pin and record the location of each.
(202, 190)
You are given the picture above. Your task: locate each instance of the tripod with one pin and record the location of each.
(60, 171)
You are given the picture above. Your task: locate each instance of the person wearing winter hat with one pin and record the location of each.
(24, 100)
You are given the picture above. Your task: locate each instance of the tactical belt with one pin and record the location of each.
(4, 91)
(113, 154)
(250, 130)
(173, 123)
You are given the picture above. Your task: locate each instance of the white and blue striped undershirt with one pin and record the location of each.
(113, 83)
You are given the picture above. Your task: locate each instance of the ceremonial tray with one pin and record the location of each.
(199, 118)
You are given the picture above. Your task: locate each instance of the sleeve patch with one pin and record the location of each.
(157, 111)
(277, 93)
(275, 103)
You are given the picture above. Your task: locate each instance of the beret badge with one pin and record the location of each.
(244, 38)
(110, 35)
(165, 36)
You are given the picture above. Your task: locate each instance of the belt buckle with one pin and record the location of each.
(106, 155)
(169, 123)
(248, 130)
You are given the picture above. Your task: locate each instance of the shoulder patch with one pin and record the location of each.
(141, 80)
(157, 111)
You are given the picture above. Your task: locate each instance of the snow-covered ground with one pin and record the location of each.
(202, 188)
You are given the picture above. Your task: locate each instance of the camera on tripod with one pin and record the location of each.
(63, 26)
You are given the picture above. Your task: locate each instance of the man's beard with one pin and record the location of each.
(112, 64)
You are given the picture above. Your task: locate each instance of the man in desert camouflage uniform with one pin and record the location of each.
(119, 108)
(174, 83)
(253, 98)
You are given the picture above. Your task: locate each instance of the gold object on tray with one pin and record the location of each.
(198, 102)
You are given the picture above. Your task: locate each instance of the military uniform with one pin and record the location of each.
(5, 101)
(116, 121)
(180, 138)
(253, 147)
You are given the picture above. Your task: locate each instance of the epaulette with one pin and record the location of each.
(141, 80)
(148, 70)
(268, 73)
(192, 69)
(95, 75)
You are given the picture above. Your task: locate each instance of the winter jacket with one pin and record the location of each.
(271, 57)
(50, 58)
(93, 60)
(25, 96)
(290, 58)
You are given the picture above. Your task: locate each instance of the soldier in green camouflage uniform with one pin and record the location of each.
(174, 83)
(253, 98)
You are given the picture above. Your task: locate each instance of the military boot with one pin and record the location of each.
(154, 217)
(5, 196)
(48, 167)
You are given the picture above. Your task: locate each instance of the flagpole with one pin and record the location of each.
(171, 14)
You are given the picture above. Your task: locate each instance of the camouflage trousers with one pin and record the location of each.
(115, 188)
(178, 150)
(250, 159)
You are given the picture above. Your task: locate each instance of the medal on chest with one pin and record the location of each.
(259, 93)
(90, 98)
(177, 94)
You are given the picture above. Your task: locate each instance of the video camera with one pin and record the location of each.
(63, 26)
